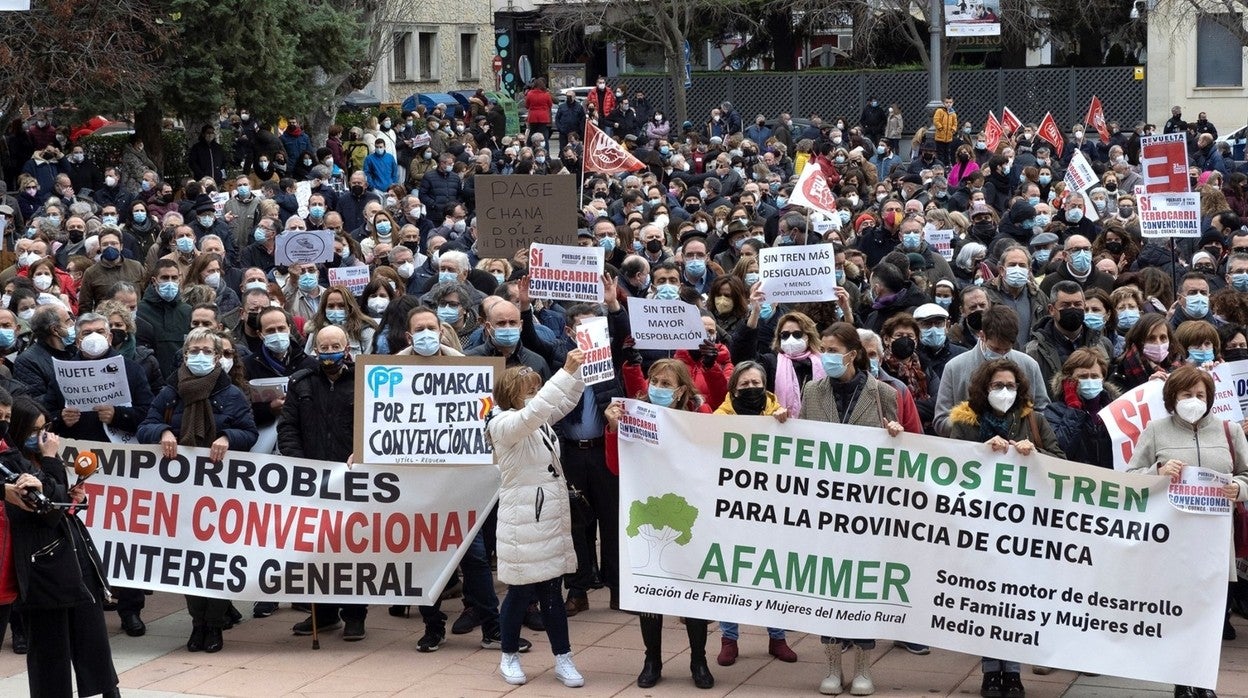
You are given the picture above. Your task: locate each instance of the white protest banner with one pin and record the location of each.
(415, 410)
(85, 384)
(1199, 491)
(1163, 163)
(1236, 373)
(594, 338)
(354, 278)
(263, 527)
(848, 532)
(1226, 401)
(267, 389)
(1170, 215)
(303, 247)
(566, 273)
(798, 274)
(941, 241)
(1079, 174)
(1126, 417)
(303, 194)
(665, 325)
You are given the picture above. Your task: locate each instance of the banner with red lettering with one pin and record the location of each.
(566, 273)
(992, 132)
(1096, 118)
(270, 528)
(1050, 132)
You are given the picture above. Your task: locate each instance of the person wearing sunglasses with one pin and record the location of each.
(534, 530)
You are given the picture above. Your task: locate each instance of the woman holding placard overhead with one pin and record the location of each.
(1190, 435)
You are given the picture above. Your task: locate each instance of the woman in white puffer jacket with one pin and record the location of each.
(534, 516)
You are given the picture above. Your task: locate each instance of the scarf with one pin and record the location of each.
(846, 394)
(991, 425)
(885, 300)
(199, 428)
(1073, 400)
(910, 371)
(788, 389)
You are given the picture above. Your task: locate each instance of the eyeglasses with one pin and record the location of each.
(197, 351)
(448, 304)
(1002, 386)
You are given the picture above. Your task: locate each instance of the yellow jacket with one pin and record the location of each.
(773, 405)
(946, 125)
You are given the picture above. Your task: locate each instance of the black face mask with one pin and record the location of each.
(1070, 319)
(750, 401)
(654, 246)
(1235, 354)
(253, 321)
(902, 348)
(974, 321)
(357, 190)
(1113, 246)
(119, 337)
(693, 208)
(4, 429)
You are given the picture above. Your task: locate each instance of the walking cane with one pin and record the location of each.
(316, 641)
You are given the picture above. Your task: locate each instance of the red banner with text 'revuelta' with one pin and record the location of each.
(263, 527)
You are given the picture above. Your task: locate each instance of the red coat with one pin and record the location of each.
(539, 103)
(8, 574)
(608, 102)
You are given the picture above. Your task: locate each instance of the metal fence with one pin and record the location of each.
(1029, 93)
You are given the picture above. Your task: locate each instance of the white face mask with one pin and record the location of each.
(226, 364)
(1191, 409)
(793, 345)
(93, 345)
(1002, 400)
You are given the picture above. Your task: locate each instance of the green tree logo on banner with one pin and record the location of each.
(660, 521)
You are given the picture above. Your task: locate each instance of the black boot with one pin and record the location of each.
(696, 630)
(196, 642)
(652, 636)
(213, 642)
(1186, 692)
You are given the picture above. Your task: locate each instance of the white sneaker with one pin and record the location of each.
(566, 671)
(509, 667)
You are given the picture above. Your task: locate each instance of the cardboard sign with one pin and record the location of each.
(303, 247)
(665, 325)
(593, 338)
(1079, 174)
(515, 211)
(564, 273)
(941, 241)
(354, 278)
(1170, 215)
(415, 410)
(86, 384)
(1163, 163)
(798, 274)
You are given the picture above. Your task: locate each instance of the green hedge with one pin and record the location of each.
(107, 150)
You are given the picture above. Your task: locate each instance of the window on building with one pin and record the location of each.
(427, 47)
(1219, 54)
(402, 55)
(468, 59)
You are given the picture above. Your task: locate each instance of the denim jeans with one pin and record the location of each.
(987, 664)
(478, 583)
(732, 631)
(549, 596)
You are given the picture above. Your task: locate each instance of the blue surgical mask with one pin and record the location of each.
(278, 342)
(608, 244)
(426, 342)
(1094, 321)
(448, 314)
(167, 290)
(879, 150)
(1196, 305)
(1042, 256)
(7, 337)
(839, 274)
(933, 337)
(1127, 319)
(383, 227)
(696, 268)
(782, 201)
(316, 211)
(667, 292)
(638, 247)
(1074, 215)
(139, 216)
(336, 316)
(201, 364)
(1200, 356)
(875, 367)
(988, 353)
(767, 311)
(910, 241)
(185, 245)
(507, 336)
(1240, 282)
(1090, 387)
(243, 191)
(32, 442)
(944, 301)
(1033, 200)
(833, 364)
(1045, 179)
(1081, 262)
(751, 278)
(308, 281)
(1016, 277)
(447, 276)
(1042, 220)
(71, 336)
(260, 235)
(663, 397)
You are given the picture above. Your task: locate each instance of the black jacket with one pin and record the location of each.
(125, 418)
(207, 159)
(261, 364)
(318, 419)
(34, 369)
(162, 326)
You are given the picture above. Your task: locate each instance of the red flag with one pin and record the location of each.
(1009, 122)
(1096, 118)
(1051, 133)
(813, 190)
(605, 156)
(992, 132)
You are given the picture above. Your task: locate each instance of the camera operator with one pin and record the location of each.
(60, 585)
